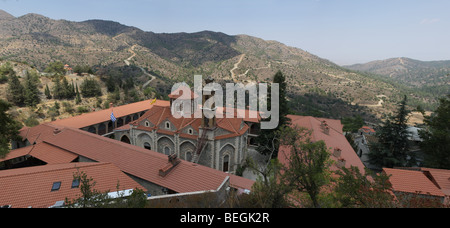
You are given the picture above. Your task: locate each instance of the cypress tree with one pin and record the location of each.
(57, 89)
(47, 92)
(16, 91)
(31, 89)
(78, 96)
(267, 139)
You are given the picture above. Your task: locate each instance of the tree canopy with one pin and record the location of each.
(90, 88)
(436, 137)
(9, 128)
(265, 139)
(392, 148)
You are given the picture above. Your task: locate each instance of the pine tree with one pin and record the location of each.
(436, 137)
(67, 89)
(57, 89)
(392, 148)
(16, 91)
(31, 89)
(90, 88)
(9, 128)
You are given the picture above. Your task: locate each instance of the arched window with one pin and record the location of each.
(102, 129)
(110, 126)
(119, 122)
(125, 139)
(226, 163)
(190, 131)
(166, 150)
(147, 146)
(189, 156)
(128, 120)
(167, 125)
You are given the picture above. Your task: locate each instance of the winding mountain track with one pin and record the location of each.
(236, 66)
(128, 63)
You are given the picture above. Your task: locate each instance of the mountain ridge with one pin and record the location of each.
(5, 15)
(174, 57)
(412, 72)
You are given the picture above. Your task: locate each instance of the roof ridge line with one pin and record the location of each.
(108, 140)
(328, 125)
(84, 164)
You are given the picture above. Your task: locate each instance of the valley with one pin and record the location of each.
(158, 60)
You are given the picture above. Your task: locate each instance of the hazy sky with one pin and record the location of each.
(343, 31)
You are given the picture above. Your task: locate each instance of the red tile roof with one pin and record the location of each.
(37, 133)
(139, 162)
(158, 114)
(93, 118)
(52, 155)
(178, 94)
(32, 186)
(44, 152)
(411, 181)
(17, 153)
(442, 178)
(367, 129)
(333, 139)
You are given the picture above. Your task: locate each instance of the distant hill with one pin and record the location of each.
(412, 72)
(5, 15)
(424, 81)
(110, 47)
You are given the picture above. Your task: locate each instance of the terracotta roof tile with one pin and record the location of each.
(17, 153)
(44, 152)
(411, 181)
(333, 139)
(52, 155)
(137, 161)
(33, 186)
(159, 114)
(92, 118)
(442, 178)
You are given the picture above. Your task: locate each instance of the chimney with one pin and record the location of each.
(325, 128)
(341, 163)
(56, 131)
(173, 162)
(337, 152)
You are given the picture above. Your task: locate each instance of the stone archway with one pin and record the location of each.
(125, 139)
(187, 148)
(227, 154)
(144, 140)
(165, 146)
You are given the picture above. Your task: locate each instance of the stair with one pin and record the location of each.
(201, 144)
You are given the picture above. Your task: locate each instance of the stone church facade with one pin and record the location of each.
(221, 143)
